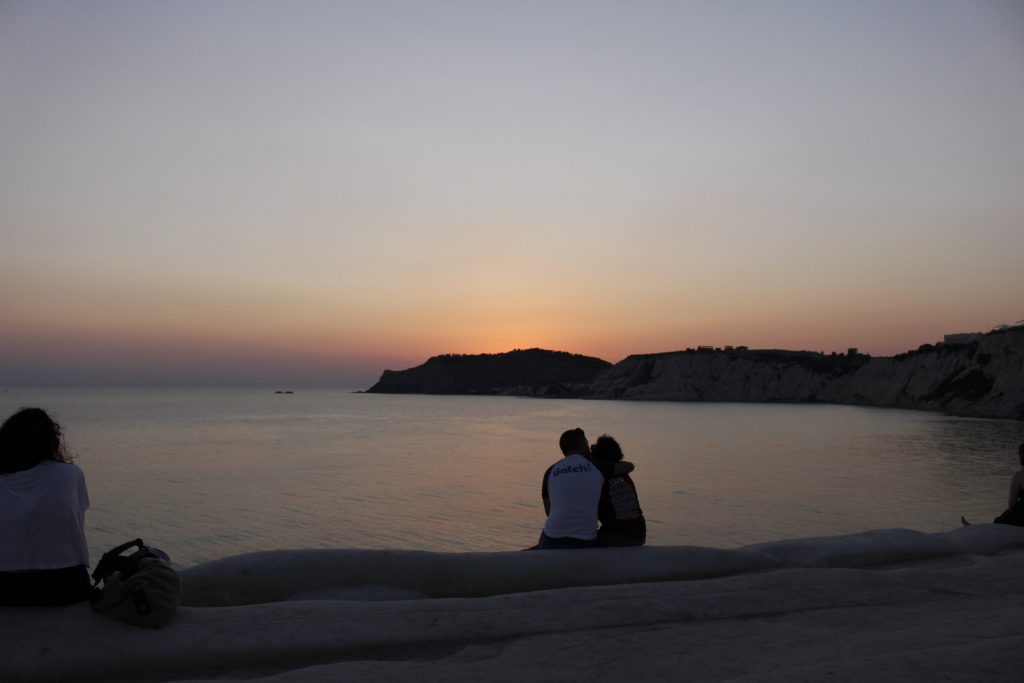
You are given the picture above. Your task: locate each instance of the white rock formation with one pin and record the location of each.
(281, 575)
(981, 379)
(882, 605)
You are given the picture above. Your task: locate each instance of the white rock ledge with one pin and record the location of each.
(888, 604)
(289, 574)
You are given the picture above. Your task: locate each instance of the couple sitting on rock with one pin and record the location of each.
(590, 484)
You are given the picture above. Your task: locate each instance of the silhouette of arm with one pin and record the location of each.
(1016, 484)
(544, 493)
(624, 467)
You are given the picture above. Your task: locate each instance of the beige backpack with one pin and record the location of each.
(141, 589)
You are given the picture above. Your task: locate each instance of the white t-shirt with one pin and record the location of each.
(42, 518)
(573, 486)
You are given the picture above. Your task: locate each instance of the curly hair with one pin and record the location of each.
(30, 437)
(606, 449)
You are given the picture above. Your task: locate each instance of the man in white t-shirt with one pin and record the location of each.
(571, 490)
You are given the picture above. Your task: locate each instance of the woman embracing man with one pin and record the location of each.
(589, 498)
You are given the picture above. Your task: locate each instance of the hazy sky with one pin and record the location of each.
(310, 192)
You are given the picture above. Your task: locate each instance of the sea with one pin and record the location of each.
(208, 473)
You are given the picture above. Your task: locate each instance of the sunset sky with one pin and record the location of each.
(307, 193)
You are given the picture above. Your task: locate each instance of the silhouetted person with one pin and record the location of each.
(622, 520)
(571, 489)
(43, 554)
(1015, 506)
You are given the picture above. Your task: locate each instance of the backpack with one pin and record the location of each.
(141, 589)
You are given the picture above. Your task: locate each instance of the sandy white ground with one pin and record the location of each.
(881, 605)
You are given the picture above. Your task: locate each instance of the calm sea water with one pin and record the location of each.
(205, 474)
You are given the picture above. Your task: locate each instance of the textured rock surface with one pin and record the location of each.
(280, 575)
(984, 378)
(762, 376)
(882, 605)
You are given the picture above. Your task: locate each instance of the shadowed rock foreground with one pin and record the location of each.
(882, 605)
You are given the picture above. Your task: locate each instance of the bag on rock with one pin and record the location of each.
(141, 589)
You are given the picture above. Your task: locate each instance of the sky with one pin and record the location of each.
(308, 193)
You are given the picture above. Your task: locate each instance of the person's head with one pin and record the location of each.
(574, 441)
(606, 449)
(29, 437)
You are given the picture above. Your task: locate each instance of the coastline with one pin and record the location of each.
(979, 376)
(896, 603)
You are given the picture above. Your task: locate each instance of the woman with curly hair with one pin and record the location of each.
(43, 555)
(622, 520)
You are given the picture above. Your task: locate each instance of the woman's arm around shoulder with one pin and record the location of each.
(624, 467)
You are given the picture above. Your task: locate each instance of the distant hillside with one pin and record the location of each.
(983, 377)
(530, 372)
(741, 375)
(979, 376)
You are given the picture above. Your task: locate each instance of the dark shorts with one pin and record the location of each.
(548, 543)
(623, 532)
(44, 588)
(612, 540)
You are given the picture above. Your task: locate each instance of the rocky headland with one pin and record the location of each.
(529, 372)
(978, 375)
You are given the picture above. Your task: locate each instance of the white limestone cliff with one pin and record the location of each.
(983, 378)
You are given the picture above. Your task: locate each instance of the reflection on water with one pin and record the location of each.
(206, 474)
